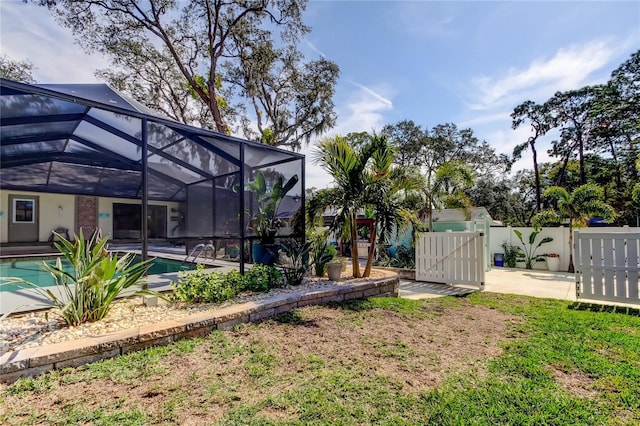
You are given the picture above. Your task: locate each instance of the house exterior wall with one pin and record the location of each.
(59, 210)
(105, 213)
(56, 210)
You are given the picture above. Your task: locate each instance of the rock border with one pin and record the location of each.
(35, 361)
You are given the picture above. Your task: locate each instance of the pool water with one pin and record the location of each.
(31, 269)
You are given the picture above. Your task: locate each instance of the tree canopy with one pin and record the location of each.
(221, 64)
(599, 134)
(16, 70)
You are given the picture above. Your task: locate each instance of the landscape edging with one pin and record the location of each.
(35, 361)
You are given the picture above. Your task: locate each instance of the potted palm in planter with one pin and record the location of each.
(527, 253)
(265, 222)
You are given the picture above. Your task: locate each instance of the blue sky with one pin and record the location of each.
(469, 63)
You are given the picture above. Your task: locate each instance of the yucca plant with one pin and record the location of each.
(97, 278)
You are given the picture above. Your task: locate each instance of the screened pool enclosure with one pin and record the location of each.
(154, 179)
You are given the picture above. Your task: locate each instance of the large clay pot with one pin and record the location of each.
(334, 270)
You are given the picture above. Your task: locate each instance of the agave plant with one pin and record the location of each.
(297, 260)
(266, 222)
(96, 279)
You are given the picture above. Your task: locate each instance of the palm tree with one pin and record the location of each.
(451, 181)
(365, 178)
(386, 186)
(347, 165)
(578, 206)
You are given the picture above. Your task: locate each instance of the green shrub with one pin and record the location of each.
(405, 257)
(214, 287)
(323, 253)
(201, 286)
(261, 278)
(235, 280)
(97, 278)
(511, 252)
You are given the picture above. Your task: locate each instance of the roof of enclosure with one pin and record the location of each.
(87, 139)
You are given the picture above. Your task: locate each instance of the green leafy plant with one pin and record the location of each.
(528, 253)
(97, 278)
(404, 257)
(233, 250)
(296, 264)
(261, 278)
(511, 252)
(265, 223)
(200, 287)
(322, 253)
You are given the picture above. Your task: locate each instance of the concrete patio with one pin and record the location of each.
(534, 283)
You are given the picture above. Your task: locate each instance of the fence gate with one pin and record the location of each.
(450, 257)
(606, 266)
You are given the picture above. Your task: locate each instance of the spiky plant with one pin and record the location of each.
(96, 278)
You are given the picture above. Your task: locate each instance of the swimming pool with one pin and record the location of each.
(30, 269)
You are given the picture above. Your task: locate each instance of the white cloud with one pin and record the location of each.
(374, 94)
(363, 111)
(569, 68)
(30, 33)
(486, 119)
(425, 19)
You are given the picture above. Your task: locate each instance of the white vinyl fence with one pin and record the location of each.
(451, 258)
(606, 266)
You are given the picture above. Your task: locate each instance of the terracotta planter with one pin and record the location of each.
(334, 270)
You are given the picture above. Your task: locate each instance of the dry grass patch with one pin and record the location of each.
(245, 365)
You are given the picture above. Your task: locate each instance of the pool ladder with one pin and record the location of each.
(200, 249)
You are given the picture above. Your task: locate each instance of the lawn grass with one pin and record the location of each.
(560, 364)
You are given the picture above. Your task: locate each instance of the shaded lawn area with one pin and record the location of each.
(484, 359)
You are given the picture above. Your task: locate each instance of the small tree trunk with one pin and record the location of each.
(536, 172)
(355, 264)
(571, 269)
(372, 248)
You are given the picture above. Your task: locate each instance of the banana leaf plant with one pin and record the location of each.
(265, 222)
(529, 250)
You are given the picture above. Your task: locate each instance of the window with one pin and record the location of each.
(24, 210)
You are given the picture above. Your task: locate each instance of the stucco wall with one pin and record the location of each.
(560, 243)
(56, 210)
